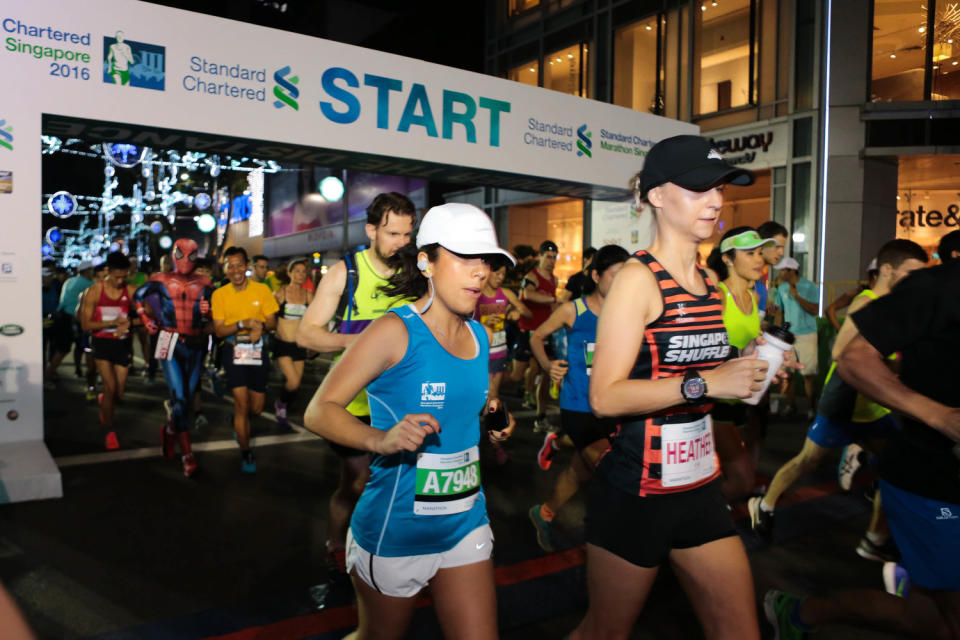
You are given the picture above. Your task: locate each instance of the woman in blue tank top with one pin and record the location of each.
(582, 430)
(422, 518)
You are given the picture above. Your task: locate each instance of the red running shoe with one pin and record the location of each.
(189, 465)
(168, 444)
(111, 441)
(545, 455)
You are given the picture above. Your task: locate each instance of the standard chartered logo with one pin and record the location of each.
(286, 89)
(6, 135)
(585, 143)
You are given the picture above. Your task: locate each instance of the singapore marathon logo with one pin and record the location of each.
(286, 90)
(585, 142)
(6, 135)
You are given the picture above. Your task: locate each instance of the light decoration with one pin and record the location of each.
(165, 242)
(255, 224)
(206, 223)
(62, 204)
(331, 188)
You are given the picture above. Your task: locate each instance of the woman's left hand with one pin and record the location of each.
(496, 437)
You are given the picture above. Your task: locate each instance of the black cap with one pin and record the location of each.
(548, 245)
(688, 162)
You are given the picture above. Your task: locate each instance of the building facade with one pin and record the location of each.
(756, 77)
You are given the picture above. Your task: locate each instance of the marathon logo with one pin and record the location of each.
(698, 347)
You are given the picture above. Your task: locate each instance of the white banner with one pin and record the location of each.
(619, 223)
(158, 72)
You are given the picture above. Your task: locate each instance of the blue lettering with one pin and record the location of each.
(496, 107)
(195, 64)
(418, 96)
(450, 116)
(328, 82)
(384, 86)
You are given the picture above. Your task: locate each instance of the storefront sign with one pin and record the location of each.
(753, 147)
(619, 223)
(926, 216)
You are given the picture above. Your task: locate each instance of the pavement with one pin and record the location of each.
(136, 551)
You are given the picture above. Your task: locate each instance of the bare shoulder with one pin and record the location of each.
(635, 286)
(333, 281)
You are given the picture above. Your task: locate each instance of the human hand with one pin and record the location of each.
(497, 437)
(736, 379)
(204, 305)
(408, 434)
(558, 369)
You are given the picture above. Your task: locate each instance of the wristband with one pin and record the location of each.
(239, 325)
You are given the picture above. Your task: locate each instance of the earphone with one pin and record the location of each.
(423, 265)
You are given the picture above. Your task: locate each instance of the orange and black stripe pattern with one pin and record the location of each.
(689, 334)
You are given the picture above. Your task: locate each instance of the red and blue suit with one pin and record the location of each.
(180, 303)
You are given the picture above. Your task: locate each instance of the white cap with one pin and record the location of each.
(873, 265)
(461, 228)
(788, 263)
(84, 265)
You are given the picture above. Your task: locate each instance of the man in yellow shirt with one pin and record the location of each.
(243, 310)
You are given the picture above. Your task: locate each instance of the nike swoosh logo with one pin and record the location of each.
(480, 545)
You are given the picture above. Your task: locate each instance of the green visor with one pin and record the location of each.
(746, 240)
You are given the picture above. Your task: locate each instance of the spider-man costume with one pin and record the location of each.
(180, 302)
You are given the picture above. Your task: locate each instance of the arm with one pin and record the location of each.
(529, 292)
(809, 307)
(635, 301)
(516, 304)
(87, 307)
(863, 366)
(563, 316)
(849, 330)
(312, 333)
(840, 303)
(379, 347)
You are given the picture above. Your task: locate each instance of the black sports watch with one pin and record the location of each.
(694, 387)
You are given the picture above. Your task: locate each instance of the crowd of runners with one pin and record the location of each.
(653, 368)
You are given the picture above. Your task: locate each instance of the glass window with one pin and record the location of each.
(519, 6)
(804, 54)
(723, 41)
(525, 73)
(635, 71)
(899, 49)
(569, 71)
(802, 232)
(946, 52)
(802, 137)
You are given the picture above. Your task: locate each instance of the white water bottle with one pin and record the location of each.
(779, 341)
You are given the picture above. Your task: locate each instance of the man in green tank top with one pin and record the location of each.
(350, 294)
(843, 416)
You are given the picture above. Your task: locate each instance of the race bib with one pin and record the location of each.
(166, 344)
(687, 452)
(109, 314)
(588, 355)
(248, 353)
(447, 483)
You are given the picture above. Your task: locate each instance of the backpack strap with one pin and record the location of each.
(347, 305)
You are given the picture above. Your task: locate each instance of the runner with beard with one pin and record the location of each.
(350, 294)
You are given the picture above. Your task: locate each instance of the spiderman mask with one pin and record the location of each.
(184, 255)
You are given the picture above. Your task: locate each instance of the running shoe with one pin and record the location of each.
(529, 400)
(501, 455)
(896, 580)
(189, 465)
(541, 425)
(167, 443)
(555, 390)
(110, 442)
(761, 521)
(849, 464)
(544, 531)
(545, 455)
(778, 607)
(200, 421)
(337, 590)
(91, 394)
(886, 552)
(248, 463)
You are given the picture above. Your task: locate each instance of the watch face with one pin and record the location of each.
(693, 388)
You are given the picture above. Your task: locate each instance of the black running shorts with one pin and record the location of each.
(585, 428)
(282, 348)
(253, 377)
(643, 530)
(113, 350)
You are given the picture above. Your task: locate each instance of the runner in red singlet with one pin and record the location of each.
(106, 313)
(662, 353)
(539, 292)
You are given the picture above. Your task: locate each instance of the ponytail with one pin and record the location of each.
(407, 281)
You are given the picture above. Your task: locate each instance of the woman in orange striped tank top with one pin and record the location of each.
(662, 355)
